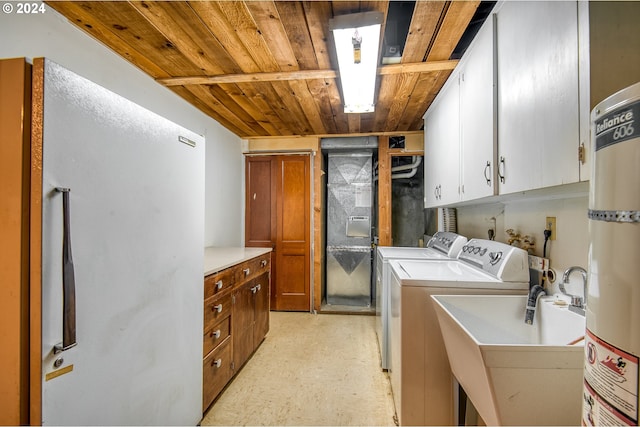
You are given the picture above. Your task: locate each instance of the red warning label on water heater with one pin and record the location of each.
(610, 384)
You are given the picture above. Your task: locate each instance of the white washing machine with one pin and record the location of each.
(421, 379)
(443, 246)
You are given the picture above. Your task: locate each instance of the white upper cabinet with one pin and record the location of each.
(477, 154)
(459, 129)
(442, 146)
(538, 95)
(518, 98)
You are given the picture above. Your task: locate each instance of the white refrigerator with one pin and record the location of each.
(123, 211)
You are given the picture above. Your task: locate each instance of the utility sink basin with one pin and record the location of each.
(514, 373)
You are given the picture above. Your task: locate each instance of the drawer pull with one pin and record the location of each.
(247, 271)
(217, 307)
(217, 363)
(219, 284)
(263, 263)
(215, 334)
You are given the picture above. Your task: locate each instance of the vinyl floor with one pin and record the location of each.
(312, 369)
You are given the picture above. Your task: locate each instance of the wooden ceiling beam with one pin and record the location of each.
(250, 77)
(418, 67)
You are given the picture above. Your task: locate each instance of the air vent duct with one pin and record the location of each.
(360, 143)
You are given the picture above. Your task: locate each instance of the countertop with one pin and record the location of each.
(219, 258)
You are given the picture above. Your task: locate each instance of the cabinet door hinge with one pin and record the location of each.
(233, 366)
(581, 154)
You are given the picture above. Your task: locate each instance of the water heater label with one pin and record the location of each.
(618, 126)
(610, 384)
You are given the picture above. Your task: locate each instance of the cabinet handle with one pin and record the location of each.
(259, 286)
(254, 289)
(68, 280)
(435, 192)
(219, 284)
(217, 363)
(501, 169)
(246, 271)
(438, 192)
(263, 263)
(487, 168)
(217, 307)
(215, 334)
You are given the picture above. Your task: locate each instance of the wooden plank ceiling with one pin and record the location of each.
(268, 68)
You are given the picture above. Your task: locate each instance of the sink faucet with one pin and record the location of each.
(576, 300)
(532, 302)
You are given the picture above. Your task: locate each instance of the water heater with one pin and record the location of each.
(612, 339)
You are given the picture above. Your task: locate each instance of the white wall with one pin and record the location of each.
(571, 245)
(50, 35)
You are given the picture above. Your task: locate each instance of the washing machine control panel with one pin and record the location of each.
(447, 242)
(495, 258)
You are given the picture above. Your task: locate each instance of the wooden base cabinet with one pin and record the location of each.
(251, 317)
(236, 320)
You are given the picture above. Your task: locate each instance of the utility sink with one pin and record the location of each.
(514, 373)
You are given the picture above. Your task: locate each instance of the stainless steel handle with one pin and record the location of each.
(219, 284)
(217, 363)
(215, 334)
(501, 168)
(487, 168)
(246, 271)
(217, 307)
(263, 263)
(68, 280)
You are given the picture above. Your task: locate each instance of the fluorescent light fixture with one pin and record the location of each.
(357, 37)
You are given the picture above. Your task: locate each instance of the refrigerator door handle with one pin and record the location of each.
(68, 281)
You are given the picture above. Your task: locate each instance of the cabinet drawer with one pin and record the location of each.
(216, 309)
(216, 371)
(253, 268)
(216, 335)
(217, 283)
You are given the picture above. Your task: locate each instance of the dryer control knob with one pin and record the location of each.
(495, 257)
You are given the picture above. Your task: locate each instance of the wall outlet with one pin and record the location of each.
(551, 225)
(538, 263)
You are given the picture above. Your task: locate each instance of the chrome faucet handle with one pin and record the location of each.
(576, 301)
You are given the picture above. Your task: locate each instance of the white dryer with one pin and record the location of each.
(421, 379)
(443, 246)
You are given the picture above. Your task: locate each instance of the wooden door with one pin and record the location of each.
(293, 201)
(260, 202)
(278, 204)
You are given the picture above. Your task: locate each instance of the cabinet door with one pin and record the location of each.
(477, 151)
(242, 321)
(261, 307)
(442, 147)
(538, 128)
